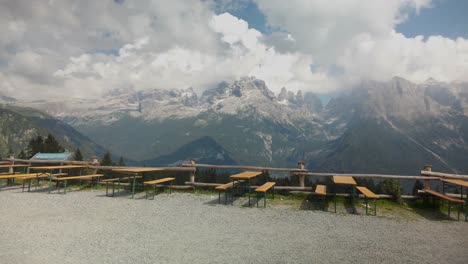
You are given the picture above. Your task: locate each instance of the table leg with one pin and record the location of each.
(50, 181)
(133, 185)
(248, 190)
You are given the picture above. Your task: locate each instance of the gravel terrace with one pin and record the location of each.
(87, 227)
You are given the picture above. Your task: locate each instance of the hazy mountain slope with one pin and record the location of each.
(203, 150)
(18, 125)
(396, 127)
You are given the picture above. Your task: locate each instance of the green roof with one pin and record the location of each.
(52, 156)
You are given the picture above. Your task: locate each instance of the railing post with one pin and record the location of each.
(192, 173)
(301, 165)
(427, 183)
(11, 156)
(95, 161)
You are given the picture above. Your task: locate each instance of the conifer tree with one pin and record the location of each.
(35, 145)
(22, 155)
(51, 145)
(121, 162)
(107, 160)
(78, 155)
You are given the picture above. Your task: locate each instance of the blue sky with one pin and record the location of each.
(448, 18)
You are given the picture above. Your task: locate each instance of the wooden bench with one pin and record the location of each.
(264, 190)
(159, 181)
(368, 194)
(117, 180)
(225, 188)
(321, 191)
(81, 177)
(449, 199)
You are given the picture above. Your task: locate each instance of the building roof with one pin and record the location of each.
(53, 156)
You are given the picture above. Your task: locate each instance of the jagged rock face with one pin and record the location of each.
(247, 96)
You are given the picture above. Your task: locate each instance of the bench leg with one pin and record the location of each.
(65, 187)
(133, 186)
(257, 196)
(448, 203)
(219, 197)
(367, 205)
(146, 193)
(107, 189)
(264, 199)
(334, 201)
(375, 207)
(50, 182)
(154, 190)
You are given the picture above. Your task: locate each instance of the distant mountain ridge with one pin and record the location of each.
(18, 125)
(394, 126)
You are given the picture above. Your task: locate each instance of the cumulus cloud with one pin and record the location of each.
(359, 38)
(85, 48)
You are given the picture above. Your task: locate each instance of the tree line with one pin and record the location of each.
(50, 144)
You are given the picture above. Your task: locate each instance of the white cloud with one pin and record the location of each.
(359, 38)
(88, 47)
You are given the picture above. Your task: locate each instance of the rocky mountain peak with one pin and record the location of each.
(245, 88)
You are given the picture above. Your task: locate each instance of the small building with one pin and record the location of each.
(65, 156)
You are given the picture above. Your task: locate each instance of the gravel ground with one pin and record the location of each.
(87, 227)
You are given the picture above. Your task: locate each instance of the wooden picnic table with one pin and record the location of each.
(137, 172)
(346, 180)
(244, 179)
(452, 183)
(12, 170)
(49, 169)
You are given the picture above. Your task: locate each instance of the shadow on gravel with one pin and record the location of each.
(434, 213)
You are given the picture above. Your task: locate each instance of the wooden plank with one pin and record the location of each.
(35, 177)
(246, 175)
(378, 176)
(163, 180)
(443, 196)
(368, 193)
(14, 166)
(243, 167)
(49, 168)
(11, 176)
(457, 182)
(445, 175)
(344, 180)
(90, 176)
(137, 170)
(321, 189)
(265, 187)
(226, 186)
(121, 179)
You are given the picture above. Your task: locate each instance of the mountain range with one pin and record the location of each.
(381, 127)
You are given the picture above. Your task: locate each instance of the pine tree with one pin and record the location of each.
(121, 162)
(22, 155)
(78, 155)
(107, 160)
(51, 145)
(35, 145)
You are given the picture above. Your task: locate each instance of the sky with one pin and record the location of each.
(85, 48)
